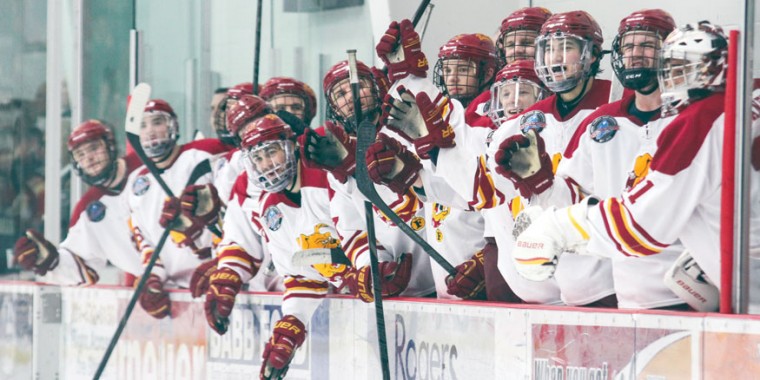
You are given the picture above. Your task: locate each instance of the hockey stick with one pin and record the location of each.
(257, 49)
(420, 11)
(140, 97)
(369, 216)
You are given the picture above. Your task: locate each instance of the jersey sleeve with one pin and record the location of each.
(240, 248)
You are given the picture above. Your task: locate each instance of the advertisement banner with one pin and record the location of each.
(237, 354)
(16, 328)
(731, 348)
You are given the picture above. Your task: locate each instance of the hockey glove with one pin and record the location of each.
(170, 211)
(335, 152)
(154, 299)
(470, 280)
(394, 277)
(400, 50)
(537, 249)
(392, 165)
(288, 335)
(402, 115)
(690, 283)
(223, 286)
(200, 278)
(439, 133)
(33, 252)
(202, 202)
(523, 160)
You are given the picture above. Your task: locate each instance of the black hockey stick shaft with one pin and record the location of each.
(419, 12)
(201, 169)
(377, 285)
(257, 48)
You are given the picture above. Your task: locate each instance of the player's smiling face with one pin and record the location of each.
(563, 54)
(516, 96)
(639, 49)
(268, 158)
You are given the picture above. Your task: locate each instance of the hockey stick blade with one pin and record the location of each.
(366, 135)
(314, 256)
(138, 100)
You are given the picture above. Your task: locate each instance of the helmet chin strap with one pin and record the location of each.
(654, 86)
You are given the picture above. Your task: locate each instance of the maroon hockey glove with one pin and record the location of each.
(223, 286)
(440, 134)
(202, 202)
(383, 84)
(170, 211)
(335, 152)
(288, 335)
(33, 252)
(524, 161)
(394, 277)
(470, 281)
(200, 278)
(154, 300)
(400, 50)
(392, 165)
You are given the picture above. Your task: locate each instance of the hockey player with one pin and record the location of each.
(216, 99)
(611, 150)
(233, 94)
(152, 211)
(679, 199)
(515, 88)
(347, 203)
(518, 33)
(290, 95)
(292, 213)
(97, 230)
(465, 70)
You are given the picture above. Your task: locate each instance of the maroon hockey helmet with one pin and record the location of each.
(269, 153)
(516, 88)
(518, 30)
(93, 130)
(645, 29)
(563, 36)
(283, 85)
(340, 101)
(156, 105)
(471, 48)
(237, 91)
(249, 108)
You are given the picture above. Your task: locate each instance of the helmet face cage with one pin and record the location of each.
(459, 78)
(341, 102)
(271, 165)
(155, 142)
(562, 60)
(96, 154)
(634, 59)
(692, 63)
(290, 102)
(220, 124)
(515, 45)
(511, 97)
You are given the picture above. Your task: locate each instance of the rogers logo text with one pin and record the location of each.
(420, 359)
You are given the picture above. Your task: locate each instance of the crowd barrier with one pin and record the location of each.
(47, 332)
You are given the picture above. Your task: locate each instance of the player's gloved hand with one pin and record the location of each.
(470, 280)
(33, 252)
(288, 335)
(200, 278)
(523, 160)
(402, 115)
(389, 163)
(539, 245)
(394, 277)
(154, 299)
(202, 202)
(334, 152)
(400, 50)
(170, 211)
(223, 286)
(383, 84)
(439, 133)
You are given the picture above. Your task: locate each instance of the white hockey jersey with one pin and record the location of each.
(293, 222)
(227, 167)
(581, 279)
(611, 152)
(678, 199)
(98, 232)
(146, 199)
